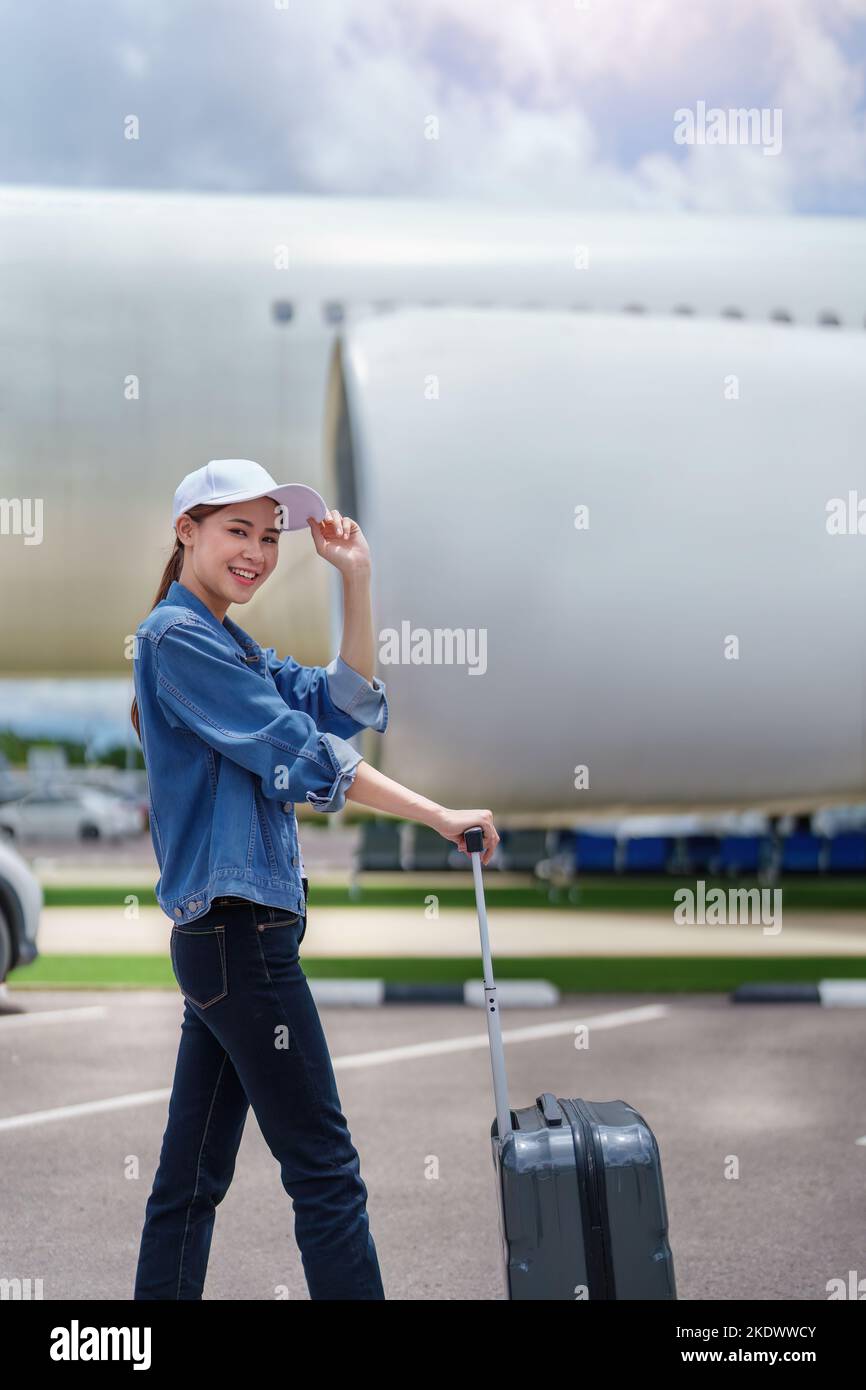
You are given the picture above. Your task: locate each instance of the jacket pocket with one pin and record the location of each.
(198, 959)
(261, 829)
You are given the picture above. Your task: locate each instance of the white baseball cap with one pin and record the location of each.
(239, 480)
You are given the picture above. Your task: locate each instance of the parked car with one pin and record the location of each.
(86, 813)
(131, 800)
(21, 901)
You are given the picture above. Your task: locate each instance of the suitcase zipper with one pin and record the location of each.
(598, 1267)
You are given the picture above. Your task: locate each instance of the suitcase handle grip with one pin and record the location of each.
(474, 839)
(549, 1107)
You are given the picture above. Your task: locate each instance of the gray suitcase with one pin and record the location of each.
(582, 1211)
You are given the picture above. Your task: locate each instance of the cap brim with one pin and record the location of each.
(298, 500)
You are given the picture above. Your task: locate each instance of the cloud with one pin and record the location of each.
(549, 103)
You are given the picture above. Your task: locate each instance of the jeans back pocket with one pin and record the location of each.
(198, 959)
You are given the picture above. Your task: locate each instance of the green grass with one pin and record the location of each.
(571, 974)
(596, 893)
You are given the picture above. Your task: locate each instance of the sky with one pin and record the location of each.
(559, 103)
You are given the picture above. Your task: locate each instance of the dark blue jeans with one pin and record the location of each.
(251, 1035)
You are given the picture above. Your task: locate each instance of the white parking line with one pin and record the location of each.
(643, 1014)
(89, 1107)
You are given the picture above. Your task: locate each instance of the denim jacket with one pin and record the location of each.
(233, 736)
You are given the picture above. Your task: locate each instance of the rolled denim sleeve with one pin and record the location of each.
(365, 701)
(207, 687)
(337, 697)
(345, 759)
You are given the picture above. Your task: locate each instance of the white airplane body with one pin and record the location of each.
(602, 449)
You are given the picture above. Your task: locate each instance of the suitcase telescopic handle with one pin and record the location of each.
(473, 838)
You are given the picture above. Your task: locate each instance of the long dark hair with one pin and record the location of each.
(169, 575)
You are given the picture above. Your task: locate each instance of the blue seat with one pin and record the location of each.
(741, 854)
(701, 853)
(379, 846)
(801, 854)
(521, 850)
(595, 854)
(648, 855)
(429, 851)
(847, 853)
(564, 842)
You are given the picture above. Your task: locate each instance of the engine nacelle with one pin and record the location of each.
(602, 543)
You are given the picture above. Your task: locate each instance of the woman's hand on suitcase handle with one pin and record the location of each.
(372, 788)
(452, 825)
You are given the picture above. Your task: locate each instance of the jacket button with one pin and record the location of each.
(178, 912)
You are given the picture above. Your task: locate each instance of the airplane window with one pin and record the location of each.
(282, 310)
(333, 312)
(683, 309)
(829, 319)
(781, 316)
(731, 313)
(634, 309)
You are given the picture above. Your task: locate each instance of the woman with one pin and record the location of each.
(232, 737)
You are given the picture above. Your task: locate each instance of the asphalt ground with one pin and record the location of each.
(776, 1092)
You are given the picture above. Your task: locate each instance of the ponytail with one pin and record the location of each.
(172, 572)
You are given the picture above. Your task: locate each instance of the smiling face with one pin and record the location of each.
(229, 554)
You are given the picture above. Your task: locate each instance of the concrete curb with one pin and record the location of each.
(511, 994)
